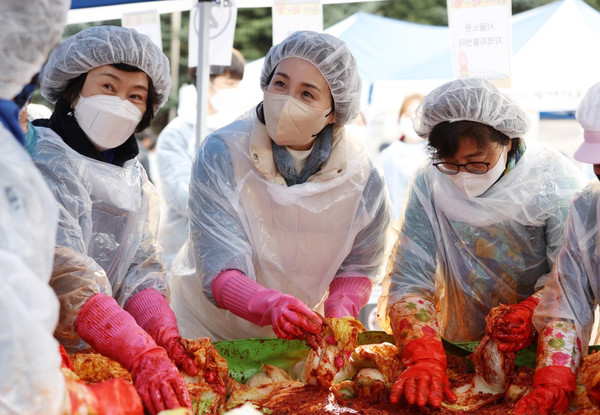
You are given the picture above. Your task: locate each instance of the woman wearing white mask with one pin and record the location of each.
(401, 159)
(482, 225)
(108, 82)
(288, 214)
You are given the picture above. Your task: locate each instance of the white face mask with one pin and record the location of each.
(408, 130)
(224, 100)
(107, 120)
(291, 122)
(474, 185)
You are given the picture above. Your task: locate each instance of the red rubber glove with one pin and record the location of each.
(153, 313)
(113, 332)
(553, 388)
(514, 330)
(424, 381)
(244, 297)
(347, 295)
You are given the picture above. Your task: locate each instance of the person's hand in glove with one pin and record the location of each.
(511, 325)
(553, 388)
(153, 313)
(114, 333)
(424, 381)
(244, 297)
(347, 295)
(159, 383)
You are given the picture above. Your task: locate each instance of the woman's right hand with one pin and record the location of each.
(425, 382)
(291, 318)
(244, 297)
(114, 333)
(159, 383)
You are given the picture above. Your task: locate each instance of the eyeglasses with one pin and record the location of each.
(475, 167)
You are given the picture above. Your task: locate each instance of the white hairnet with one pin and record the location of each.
(105, 45)
(588, 116)
(30, 28)
(471, 99)
(331, 56)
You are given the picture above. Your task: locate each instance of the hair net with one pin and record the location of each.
(331, 56)
(30, 28)
(105, 45)
(588, 116)
(470, 100)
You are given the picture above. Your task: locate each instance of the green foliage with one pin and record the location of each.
(254, 34)
(418, 11)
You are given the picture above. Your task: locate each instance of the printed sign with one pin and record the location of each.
(481, 39)
(292, 15)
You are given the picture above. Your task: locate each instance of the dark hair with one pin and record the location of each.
(75, 85)
(445, 136)
(234, 71)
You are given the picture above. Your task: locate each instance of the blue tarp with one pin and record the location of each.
(391, 49)
(82, 4)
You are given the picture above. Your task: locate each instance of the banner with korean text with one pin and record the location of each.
(481, 39)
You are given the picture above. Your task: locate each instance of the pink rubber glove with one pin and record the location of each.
(113, 332)
(153, 313)
(244, 297)
(347, 295)
(514, 331)
(553, 388)
(424, 381)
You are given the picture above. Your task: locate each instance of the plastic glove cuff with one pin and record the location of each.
(426, 349)
(347, 295)
(149, 304)
(232, 286)
(244, 297)
(560, 376)
(530, 303)
(112, 331)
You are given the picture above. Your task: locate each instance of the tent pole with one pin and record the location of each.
(175, 57)
(203, 68)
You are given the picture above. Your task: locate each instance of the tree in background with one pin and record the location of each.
(253, 33)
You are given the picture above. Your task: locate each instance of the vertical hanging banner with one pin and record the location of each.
(223, 17)
(292, 15)
(145, 22)
(481, 39)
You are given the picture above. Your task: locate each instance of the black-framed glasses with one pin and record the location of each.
(475, 167)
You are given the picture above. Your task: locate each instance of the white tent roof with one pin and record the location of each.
(561, 58)
(556, 53)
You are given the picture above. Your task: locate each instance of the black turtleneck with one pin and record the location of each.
(63, 123)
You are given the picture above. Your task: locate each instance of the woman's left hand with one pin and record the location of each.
(542, 400)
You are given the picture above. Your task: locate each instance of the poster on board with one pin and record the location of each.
(292, 15)
(481, 39)
(145, 22)
(223, 17)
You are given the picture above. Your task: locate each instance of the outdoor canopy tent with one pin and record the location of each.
(97, 10)
(555, 51)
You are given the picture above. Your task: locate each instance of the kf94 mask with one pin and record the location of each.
(107, 120)
(474, 185)
(291, 122)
